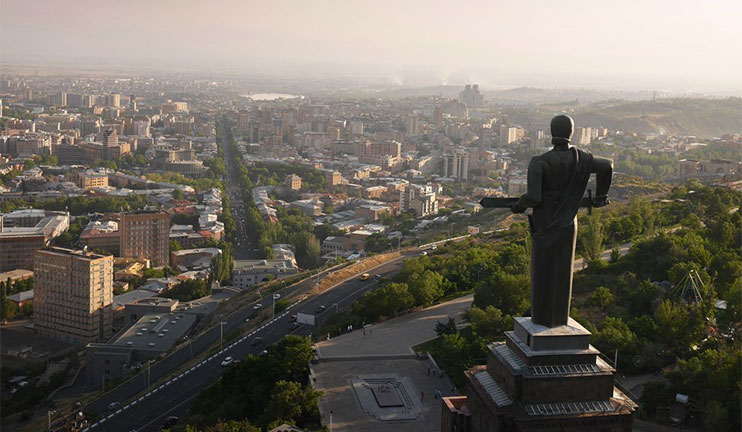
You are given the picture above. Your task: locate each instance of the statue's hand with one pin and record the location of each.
(517, 208)
(601, 201)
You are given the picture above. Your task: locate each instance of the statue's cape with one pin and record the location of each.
(566, 202)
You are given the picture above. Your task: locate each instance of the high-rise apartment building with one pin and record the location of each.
(413, 124)
(146, 235)
(510, 134)
(582, 136)
(456, 164)
(471, 96)
(73, 295)
(537, 139)
(112, 100)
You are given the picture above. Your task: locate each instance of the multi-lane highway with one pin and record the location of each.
(147, 411)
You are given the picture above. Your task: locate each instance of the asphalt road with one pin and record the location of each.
(148, 412)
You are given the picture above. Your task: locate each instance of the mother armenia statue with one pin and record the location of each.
(557, 181)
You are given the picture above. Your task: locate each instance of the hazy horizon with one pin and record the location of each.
(678, 46)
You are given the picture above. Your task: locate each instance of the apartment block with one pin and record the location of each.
(73, 295)
(146, 235)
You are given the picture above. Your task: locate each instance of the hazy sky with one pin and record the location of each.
(649, 44)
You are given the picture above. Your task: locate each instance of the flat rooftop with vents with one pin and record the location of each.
(156, 332)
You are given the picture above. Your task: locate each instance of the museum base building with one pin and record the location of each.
(540, 379)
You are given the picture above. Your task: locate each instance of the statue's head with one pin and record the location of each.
(562, 127)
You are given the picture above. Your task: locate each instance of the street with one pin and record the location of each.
(147, 412)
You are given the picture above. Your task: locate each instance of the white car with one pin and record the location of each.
(247, 319)
(257, 306)
(113, 405)
(227, 361)
(276, 296)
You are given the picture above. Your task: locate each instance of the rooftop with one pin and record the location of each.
(156, 332)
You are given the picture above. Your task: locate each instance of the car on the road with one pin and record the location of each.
(247, 319)
(293, 318)
(295, 325)
(365, 276)
(227, 361)
(377, 277)
(113, 405)
(257, 341)
(321, 309)
(170, 421)
(257, 306)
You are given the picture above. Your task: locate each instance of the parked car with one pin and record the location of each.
(227, 361)
(293, 318)
(170, 421)
(295, 325)
(257, 341)
(113, 405)
(276, 296)
(321, 309)
(257, 306)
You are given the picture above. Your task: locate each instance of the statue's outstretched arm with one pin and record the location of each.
(603, 169)
(532, 197)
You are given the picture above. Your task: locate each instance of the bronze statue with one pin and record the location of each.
(557, 181)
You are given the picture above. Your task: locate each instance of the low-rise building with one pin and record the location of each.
(193, 259)
(371, 212)
(102, 236)
(18, 243)
(252, 272)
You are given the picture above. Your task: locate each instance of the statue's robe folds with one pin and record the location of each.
(554, 232)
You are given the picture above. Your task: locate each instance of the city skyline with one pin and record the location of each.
(672, 46)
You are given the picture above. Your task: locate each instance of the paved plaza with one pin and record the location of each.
(353, 365)
(394, 337)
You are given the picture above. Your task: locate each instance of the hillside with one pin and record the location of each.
(705, 118)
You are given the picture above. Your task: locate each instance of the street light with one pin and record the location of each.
(330, 420)
(221, 334)
(149, 363)
(50, 412)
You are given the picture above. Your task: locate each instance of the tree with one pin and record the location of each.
(387, 301)
(4, 309)
(592, 239)
(448, 327)
(308, 250)
(175, 246)
(232, 426)
(680, 325)
(426, 288)
(489, 322)
(614, 335)
(509, 293)
(602, 297)
(289, 402)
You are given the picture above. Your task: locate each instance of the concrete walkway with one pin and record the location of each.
(394, 337)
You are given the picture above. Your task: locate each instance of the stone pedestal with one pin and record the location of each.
(545, 379)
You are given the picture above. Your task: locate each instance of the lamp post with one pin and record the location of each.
(149, 363)
(221, 334)
(330, 420)
(49, 413)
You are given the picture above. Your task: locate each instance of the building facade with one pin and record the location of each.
(73, 295)
(146, 235)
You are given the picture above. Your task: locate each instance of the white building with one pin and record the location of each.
(252, 272)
